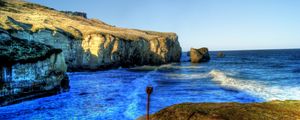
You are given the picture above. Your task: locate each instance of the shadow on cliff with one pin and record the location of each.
(82, 59)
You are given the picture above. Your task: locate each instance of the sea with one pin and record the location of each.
(119, 94)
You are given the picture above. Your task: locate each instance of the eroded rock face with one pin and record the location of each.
(88, 44)
(199, 55)
(100, 51)
(29, 74)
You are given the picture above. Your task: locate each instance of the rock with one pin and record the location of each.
(91, 44)
(29, 70)
(274, 110)
(220, 55)
(4, 37)
(81, 14)
(199, 55)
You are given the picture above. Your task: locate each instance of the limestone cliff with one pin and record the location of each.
(88, 43)
(29, 69)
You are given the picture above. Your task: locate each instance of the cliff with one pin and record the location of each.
(29, 70)
(87, 44)
(273, 110)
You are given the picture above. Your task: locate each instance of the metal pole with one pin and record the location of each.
(149, 90)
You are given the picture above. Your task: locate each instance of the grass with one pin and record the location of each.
(41, 17)
(273, 110)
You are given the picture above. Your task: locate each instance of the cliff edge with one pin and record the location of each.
(87, 44)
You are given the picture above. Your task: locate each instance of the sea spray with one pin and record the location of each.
(140, 86)
(186, 76)
(256, 88)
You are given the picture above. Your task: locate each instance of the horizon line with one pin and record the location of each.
(252, 49)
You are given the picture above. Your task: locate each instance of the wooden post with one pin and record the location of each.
(149, 90)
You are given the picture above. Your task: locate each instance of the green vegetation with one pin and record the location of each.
(2, 3)
(36, 6)
(22, 51)
(274, 110)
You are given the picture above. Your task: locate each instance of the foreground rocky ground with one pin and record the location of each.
(274, 110)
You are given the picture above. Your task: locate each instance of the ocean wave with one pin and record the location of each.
(163, 67)
(179, 67)
(296, 70)
(144, 68)
(277, 65)
(181, 76)
(266, 92)
(138, 89)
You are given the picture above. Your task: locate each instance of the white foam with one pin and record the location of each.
(255, 88)
(182, 67)
(182, 76)
(164, 67)
(140, 86)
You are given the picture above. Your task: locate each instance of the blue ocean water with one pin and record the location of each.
(241, 76)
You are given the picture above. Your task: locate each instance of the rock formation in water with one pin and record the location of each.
(87, 44)
(199, 55)
(274, 110)
(220, 54)
(29, 69)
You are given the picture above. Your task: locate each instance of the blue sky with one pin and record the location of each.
(216, 24)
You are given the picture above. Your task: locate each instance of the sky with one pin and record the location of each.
(216, 24)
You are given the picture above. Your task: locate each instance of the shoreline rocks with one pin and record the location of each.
(29, 70)
(199, 55)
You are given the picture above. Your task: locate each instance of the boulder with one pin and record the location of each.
(199, 55)
(29, 70)
(273, 110)
(220, 54)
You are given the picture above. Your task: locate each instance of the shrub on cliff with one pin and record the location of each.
(22, 51)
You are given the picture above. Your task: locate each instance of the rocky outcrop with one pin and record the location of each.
(199, 55)
(274, 110)
(101, 51)
(220, 54)
(29, 70)
(88, 44)
(81, 14)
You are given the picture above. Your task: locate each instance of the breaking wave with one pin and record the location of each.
(255, 88)
(183, 76)
(163, 67)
